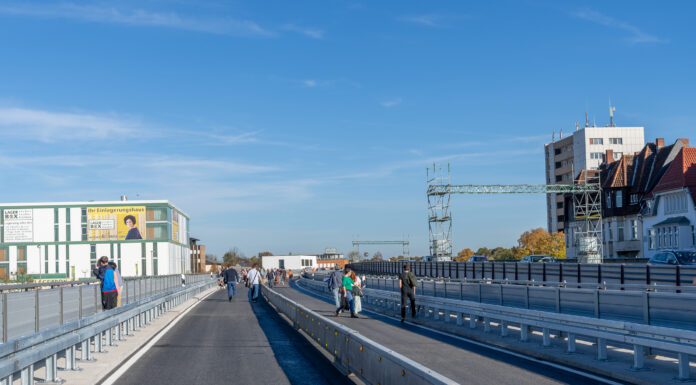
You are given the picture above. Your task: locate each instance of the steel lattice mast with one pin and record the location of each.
(587, 209)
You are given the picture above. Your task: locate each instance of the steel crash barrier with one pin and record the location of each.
(623, 273)
(29, 308)
(352, 352)
(639, 337)
(20, 358)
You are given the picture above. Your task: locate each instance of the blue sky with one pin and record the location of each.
(295, 126)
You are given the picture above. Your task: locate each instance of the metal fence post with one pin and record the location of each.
(79, 290)
(4, 317)
(36, 311)
(61, 305)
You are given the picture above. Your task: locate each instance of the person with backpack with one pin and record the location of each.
(110, 288)
(408, 283)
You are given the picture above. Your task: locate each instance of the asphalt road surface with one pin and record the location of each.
(458, 360)
(221, 342)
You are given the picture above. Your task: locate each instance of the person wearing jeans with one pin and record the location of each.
(254, 278)
(346, 289)
(230, 277)
(335, 286)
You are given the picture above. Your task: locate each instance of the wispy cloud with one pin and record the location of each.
(636, 34)
(391, 103)
(49, 126)
(137, 17)
(314, 33)
(428, 20)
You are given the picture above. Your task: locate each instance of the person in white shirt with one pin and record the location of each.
(254, 279)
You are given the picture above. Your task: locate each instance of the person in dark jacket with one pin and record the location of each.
(335, 285)
(408, 283)
(230, 277)
(133, 233)
(270, 276)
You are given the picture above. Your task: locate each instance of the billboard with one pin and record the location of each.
(18, 225)
(116, 223)
(175, 226)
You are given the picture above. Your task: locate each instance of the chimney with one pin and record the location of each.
(660, 142)
(685, 141)
(609, 157)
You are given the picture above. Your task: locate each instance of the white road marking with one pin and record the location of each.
(123, 368)
(495, 348)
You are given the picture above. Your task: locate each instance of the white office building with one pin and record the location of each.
(289, 262)
(585, 148)
(65, 239)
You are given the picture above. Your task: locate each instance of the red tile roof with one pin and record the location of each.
(681, 172)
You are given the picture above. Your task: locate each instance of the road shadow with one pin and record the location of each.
(300, 361)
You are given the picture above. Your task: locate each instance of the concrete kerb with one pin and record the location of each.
(545, 354)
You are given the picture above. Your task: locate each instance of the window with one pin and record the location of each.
(619, 199)
(676, 236)
(618, 155)
(557, 151)
(651, 239)
(670, 240)
(634, 199)
(558, 164)
(596, 141)
(608, 200)
(597, 155)
(611, 233)
(620, 230)
(559, 205)
(634, 229)
(615, 140)
(675, 203)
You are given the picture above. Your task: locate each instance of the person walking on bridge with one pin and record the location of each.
(335, 286)
(347, 291)
(408, 283)
(254, 279)
(270, 276)
(230, 278)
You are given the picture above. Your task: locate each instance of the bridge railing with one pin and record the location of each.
(640, 337)
(623, 273)
(352, 352)
(21, 357)
(27, 312)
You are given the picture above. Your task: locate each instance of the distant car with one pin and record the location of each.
(538, 258)
(674, 257)
(478, 258)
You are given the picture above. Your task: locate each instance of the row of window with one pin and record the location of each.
(667, 237)
(675, 203)
(601, 140)
(564, 163)
(306, 262)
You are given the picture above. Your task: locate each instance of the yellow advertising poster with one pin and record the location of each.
(175, 226)
(116, 223)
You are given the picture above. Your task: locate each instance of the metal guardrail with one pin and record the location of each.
(599, 331)
(20, 358)
(368, 360)
(624, 273)
(663, 309)
(26, 312)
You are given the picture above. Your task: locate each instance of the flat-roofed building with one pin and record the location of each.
(65, 239)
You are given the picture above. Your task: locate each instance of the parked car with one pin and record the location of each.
(538, 258)
(674, 257)
(478, 258)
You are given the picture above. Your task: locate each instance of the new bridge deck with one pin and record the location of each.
(221, 342)
(459, 360)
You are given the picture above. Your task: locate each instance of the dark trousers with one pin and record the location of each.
(110, 299)
(412, 298)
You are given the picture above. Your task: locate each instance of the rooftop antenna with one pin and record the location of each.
(577, 126)
(587, 120)
(611, 114)
(561, 135)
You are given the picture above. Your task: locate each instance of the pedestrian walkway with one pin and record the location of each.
(221, 342)
(459, 360)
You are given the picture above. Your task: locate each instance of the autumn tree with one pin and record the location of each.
(464, 255)
(377, 256)
(233, 257)
(539, 241)
(354, 256)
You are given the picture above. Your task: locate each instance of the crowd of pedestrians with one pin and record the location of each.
(346, 288)
(251, 278)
